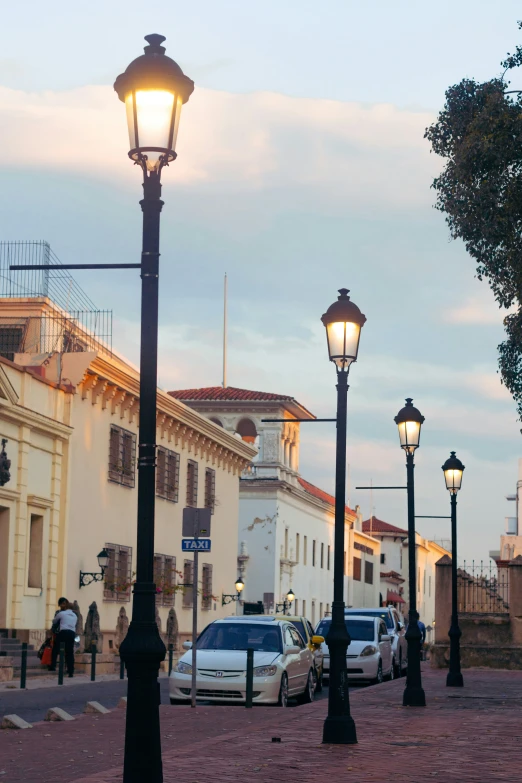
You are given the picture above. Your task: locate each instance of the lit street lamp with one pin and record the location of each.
(343, 321)
(409, 421)
(227, 599)
(453, 470)
(153, 88)
(287, 603)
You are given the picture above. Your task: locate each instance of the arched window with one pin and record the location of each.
(216, 421)
(247, 430)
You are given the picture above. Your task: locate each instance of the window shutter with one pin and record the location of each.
(357, 569)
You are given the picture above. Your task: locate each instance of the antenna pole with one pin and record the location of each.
(225, 332)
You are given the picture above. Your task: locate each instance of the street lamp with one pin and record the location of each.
(409, 420)
(227, 599)
(287, 603)
(453, 470)
(88, 577)
(343, 322)
(153, 88)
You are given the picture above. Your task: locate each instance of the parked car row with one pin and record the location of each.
(290, 659)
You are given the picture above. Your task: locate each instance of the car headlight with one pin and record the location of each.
(184, 668)
(265, 671)
(368, 650)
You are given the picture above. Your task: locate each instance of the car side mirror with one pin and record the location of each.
(292, 649)
(317, 640)
(385, 638)
(187, 645)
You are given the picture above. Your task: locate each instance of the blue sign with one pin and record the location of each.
(195, 544)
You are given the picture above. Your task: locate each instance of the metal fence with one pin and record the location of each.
(482, 588)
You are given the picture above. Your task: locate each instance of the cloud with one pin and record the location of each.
(252, 141)
(478, 310)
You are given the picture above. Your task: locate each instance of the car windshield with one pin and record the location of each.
(240, 636)
(300, 627)
(386, 616)
(359, 630)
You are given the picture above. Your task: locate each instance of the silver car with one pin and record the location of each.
(396, 631)
(369, 656)
(283, 664)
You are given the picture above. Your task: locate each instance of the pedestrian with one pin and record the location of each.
(64, 626)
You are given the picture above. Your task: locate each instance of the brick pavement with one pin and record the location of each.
(468, 734)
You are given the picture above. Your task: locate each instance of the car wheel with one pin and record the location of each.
(318, 683)
(398, 669)
(379, 678)
(283, 692)
(308, 696)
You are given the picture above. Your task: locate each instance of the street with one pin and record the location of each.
(32, 705)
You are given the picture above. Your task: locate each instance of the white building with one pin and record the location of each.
(511, 540)
(394, 588)
(286, 524)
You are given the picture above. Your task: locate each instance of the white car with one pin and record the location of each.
(396, 630)
(283, 664)
(369, 655)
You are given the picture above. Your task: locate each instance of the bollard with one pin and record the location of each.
(249, 677)
(61, 662)
(93, 662)
(23, 670)
(122, 669)
(171, 653)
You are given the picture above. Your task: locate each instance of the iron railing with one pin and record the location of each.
(482, 588)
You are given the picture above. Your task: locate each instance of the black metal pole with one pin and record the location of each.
(339, 726)
(23, 669)
(249, 677)
(93, 661)
(413, 692)
(142, 649)
(454, 678)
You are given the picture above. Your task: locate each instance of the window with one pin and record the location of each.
(34, 575)
(313, 553)
(296, 549)
(328, 558)
(400, 551)
(321, 610)
(383, 558)
(304, 608)
(305, 550)
(167, 475)
(368, 572)
(118, 574)
(327, 609)
(286, 542)
(11, 341)
(192, 483)
(122, 456)
(296, 637)
(383, 631)
(429, 586)
(313, 612)
(322, 555)
(424, 583)
(188, 579)
(165, 579)
(357, 569)
(206, 586)
(210, 489)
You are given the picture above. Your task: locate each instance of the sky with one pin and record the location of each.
(302, 168)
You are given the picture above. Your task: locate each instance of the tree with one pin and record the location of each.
(479, 134)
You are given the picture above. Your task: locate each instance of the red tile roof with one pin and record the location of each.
(392, 575)
(320, 494)
(394, 598)
(378, 526)
(228, 393)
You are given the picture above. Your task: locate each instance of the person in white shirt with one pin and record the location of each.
(64, 626)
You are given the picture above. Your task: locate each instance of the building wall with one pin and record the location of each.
(427, 554)
(34, 418)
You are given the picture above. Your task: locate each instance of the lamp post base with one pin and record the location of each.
(414, 696)
(339, 730)
(454, 680)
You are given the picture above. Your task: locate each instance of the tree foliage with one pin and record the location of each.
(479, 134)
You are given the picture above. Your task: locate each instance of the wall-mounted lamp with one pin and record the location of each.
(88, 577)
(228, 599)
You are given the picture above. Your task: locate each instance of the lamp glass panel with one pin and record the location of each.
(239, 585)
(103, 559)
(154, 109)
(343, 342)
(409, 434)
(453, 479)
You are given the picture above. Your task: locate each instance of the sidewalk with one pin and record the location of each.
(51, 681)
(466, 735)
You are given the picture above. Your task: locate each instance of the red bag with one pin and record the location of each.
(47, 657)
